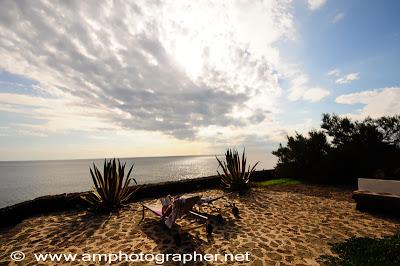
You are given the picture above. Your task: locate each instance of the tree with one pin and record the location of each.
(302, 157)
(355, 149)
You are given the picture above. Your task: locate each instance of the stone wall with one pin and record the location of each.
(12, 215)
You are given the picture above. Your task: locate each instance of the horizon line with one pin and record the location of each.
(105, 158)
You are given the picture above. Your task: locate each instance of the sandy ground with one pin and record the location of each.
(277, 226)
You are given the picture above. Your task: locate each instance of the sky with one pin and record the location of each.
(94, 79)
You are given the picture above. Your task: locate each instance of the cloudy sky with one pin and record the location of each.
(89, 79)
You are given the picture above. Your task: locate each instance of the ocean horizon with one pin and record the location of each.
(29, 179)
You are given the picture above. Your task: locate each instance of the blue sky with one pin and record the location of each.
(365, 40)
(86, 80)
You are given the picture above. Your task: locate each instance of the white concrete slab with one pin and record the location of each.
(379, 186)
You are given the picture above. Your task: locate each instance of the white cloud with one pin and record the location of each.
(377, 103)
(343, 78)
(172, 67)
(315, 94)
(57, 114)
(315, 4)
(183, 70)
(333, 72)
(300, 89)
(347, 78)
(338, 17)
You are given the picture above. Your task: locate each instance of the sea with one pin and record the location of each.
(26, 180)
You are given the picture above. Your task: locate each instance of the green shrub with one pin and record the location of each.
(342, 151)
(111, 189)
(235, 176)
(303, 157)
(366, 251)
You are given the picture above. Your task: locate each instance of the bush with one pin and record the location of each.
(366, 251)
(343, 150)
(111, 189)
(234, 176)
(302, 157)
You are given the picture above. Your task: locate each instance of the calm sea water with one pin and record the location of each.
(25, 180)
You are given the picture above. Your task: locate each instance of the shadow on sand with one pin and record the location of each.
(191, 241)
(76, 230)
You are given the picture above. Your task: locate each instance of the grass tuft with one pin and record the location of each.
(279, 181)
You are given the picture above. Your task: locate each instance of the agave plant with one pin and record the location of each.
(235, 176)
(110, 189)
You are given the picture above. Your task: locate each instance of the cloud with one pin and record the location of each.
(299, 89)
(347, 78)
(342, 78)
(145, 65)
(377, 103)
(315, 4)
(49, 115)
(169, 71)
(338, 17)
(333, 72)
(315, 94)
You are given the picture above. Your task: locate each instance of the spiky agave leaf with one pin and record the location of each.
(234, 174)
(111, 189)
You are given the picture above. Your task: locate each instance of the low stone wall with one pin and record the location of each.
(72, 201)
(377, 203)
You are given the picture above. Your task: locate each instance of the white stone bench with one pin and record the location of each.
(378, 195)
(379, 186)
